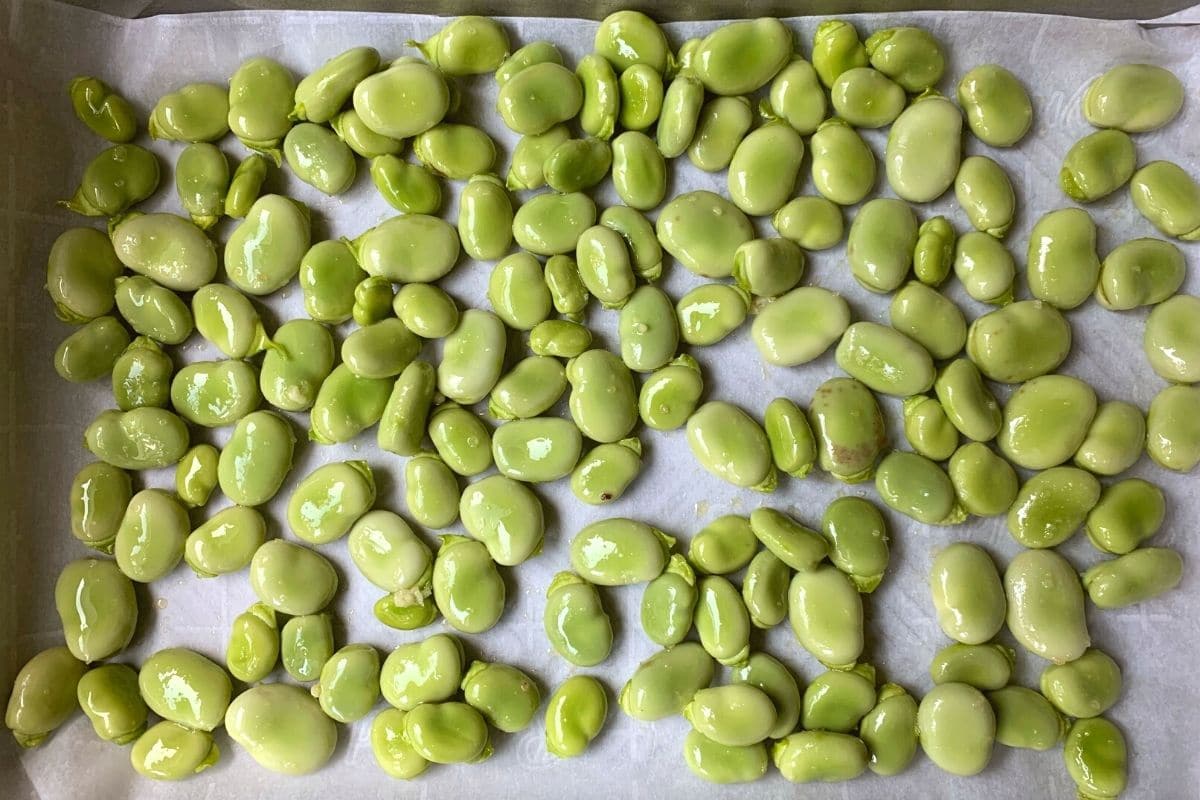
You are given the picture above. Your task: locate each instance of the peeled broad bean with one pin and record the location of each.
(843, 166)
(576, 624)
(1139, 272)
(1140, 575)
(967, 593)
(1045, 606)
(1127, 513)
(918, 488)
(1085, 687)
(731, 445)
(666, 682)
(957, 728)
(984, 482)
(998, 108)
(1019, 342)
(1133, 97)
(825, 613)
(858, 540)
(924, 148)
(1046, 420)
(987, 667)
(1173, 428)
(985, 193)
(880, 244)
(848, 425)
(1169, 198)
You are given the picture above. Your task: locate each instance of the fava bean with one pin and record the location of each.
(306, 644)
(605, 472)
(1045, 606)
(933, 255)
(814, 223)
(114, 181)
(924, 147)
(467, 587)
(880, 244)
(550, 223)
(506, 696)
(998, 109)
(282, 728)
(539, 97)
(1085, 687)
(1143, 574)
(889, 730)
(985, 193)
(428, 671)
(106, 113)
(170, 752)
(1046, 420)
(215, 393)
(467, 45)
(848, 425)
(299, 361)
(640, 92)
(228, 319)
(225, 542)
(793, 447)
(825, 612)
(253, 648)
(918, 488)
(575, 715)
(99, 495)
(1139, 272)
(765, 589)
(858, 540)
(257, 458)
(986, 484)
(263, 253)
(765, 166)
(1133, 97)
(526, 170)
(576, 624)
(1052, 505)
(292, 579)
(461, 438)
(245, 186)
(529, 389)
(957, 728)
(967, 593)
(1019, 342)
(406, 413)
(110, 698)
(1173, 428)
(822, 756)
(80, 275)
(867, 98)
(144, 438)
(930, 319)
(836, 48)
(186, 688)
(669, 603)
(967, 401)
(324, 91)
(619, 552)
(92, 351)
(1128, 513)
(1169, 198)
(885, 359)
(723, 546)
(403, 100)
(44, 695)
(843, 166)
(197, 112)
(928, 429)
(665, 683)
(987, 667)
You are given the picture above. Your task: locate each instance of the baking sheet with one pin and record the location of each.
(43, 44)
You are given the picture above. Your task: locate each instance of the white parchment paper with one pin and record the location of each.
(44, 44)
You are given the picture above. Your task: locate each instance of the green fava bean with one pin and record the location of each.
(431, 491)
(319, 158)
(261, 92)
(253, 647)
(793, 447)
(405, 617)
(152, 310)
(843, 166)
(848, 425)
(601, 96)
(518, 293)
(282, 728)
(957, 728)
(796, 545)
(1097, 165)
(428, 671)
(1062, 265)
(723, 125)
(930, 319)
(1052, 506)
(836, 49)
(889, 730)
(603, 402)
(619, 552)
(347, 405)
(627, 38)
(202, 182)
(292, 579)
(225, 542)
(730, 444)
(1085, 687)
(144, 438)
(390, 555)
(461, 438)
(605, 472)
(215, 393)
(408, 188)
(467, 587)
(723, 546)
(987, 667)
(1171, 339)
(257, 458)
(539, 97)
(985, 483)
(968, 403)
(765, 588)
(44, 695)
(323, 92)
(604, 265)
(1139, 272)
(574, 716)
(986, 270)
(822, 756)
(99, 494)
(537, 52)
(1135, 577)
(639, 172)
(1169, 198)
(551, 223)
(1026, 719)
(735, 715)
(723, 624)
(918, 488)
(263, 253)
(198, 112)
(928, 429)
(109, 696)
(909, 56)
(326, 504)
(97, 608)
(529, 389)
(454, 150)
(245, 187)
(529, 158)
(403, 100)
(814, 223)
(648, 330)
(703, 231)
(114, 181)
(967, 593)
(740, 57)
(184, 687)
(837, 700)
(682, 105)
(933, 255)
(306, 644)
(927, 133)
(141, 377)
(885, 359)
(567, 291)
(1096, 758)
(228, 319)
(880, 244)
(670, 395)
(406, 413)
(166, 248)
(768, 267)
(1020, 341)
(640, 97)
(722, 764)
(80, 275)
(426, 310)
(352, 130)
(644, 249)
(1046, 420)
(91, 352)
(665, 683)
(349, 684)
(779, 684)
(506, 696)
(468, 45)
(106, 113)
(1045, 606)
(1173, 428)
(997, 106)
(171, 752)
(576, 624)
(762, 174)
(867, 98)
(858, 540)
(985, 193)
(669, 603)
(538, 449)
(1134, 98)
(1128, 513)
(796, 96)
(296, 365)
(411, 248)
(485, 217)
(710, 312)
(381, 350)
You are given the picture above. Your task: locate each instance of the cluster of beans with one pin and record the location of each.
(695, 101)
